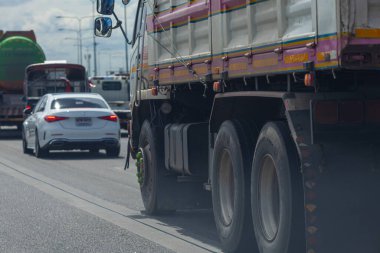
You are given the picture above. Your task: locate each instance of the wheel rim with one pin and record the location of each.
(145, 170)
(269, 199)
(141, 168)
(226, 188)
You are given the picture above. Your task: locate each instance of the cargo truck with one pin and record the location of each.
(18, 49)
(273, 106)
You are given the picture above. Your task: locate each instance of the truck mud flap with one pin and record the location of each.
(342, 199)
(341, 190)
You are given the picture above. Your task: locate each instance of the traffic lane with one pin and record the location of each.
(32, 221)
(145, 226)
(105, 178)
(97, 174)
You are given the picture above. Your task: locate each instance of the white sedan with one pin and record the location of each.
(70, 121)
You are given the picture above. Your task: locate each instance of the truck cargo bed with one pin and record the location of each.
(239, 38)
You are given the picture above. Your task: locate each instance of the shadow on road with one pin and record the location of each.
(79, 155)
(197, 224)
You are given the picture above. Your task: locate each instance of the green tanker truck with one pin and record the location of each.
(18, 49)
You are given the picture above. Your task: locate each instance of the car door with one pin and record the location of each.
(34, 119)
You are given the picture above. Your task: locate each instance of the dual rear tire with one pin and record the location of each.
(230, 188)
(257, 189)
(277, 192)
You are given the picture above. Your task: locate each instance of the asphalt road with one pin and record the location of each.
(79, 202)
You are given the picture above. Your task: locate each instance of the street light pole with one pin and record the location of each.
(79, 20)
(126, 43)
(93, 38)
(77, 44)
(80, 40)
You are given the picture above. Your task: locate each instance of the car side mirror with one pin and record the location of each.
(105, 7)
(103, 27)
(125, 2)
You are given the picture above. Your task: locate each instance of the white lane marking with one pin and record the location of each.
(121, 216)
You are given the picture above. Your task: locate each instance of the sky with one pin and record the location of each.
(58, 37)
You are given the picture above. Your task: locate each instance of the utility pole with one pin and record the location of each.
(88, 58)
(79, 20)
(93, 39)
(126, 44)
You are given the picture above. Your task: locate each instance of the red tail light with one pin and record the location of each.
(52, 118)
(112, 118)
(28, 107)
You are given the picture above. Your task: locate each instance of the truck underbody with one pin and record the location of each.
(326, 139)
(271, 109)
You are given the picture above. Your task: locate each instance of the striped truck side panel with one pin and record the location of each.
(247, 37)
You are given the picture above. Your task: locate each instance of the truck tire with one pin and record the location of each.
(154, 181)
(231, 188)
(276, 192)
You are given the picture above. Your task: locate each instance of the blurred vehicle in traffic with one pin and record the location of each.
(115, 90)
(68, 121)
(53, 77)
(18, 49)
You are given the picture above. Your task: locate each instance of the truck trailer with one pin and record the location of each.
(271, 106)
(18, 49)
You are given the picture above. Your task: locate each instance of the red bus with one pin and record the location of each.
(53, 77)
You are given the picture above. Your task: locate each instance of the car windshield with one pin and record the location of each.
(83, 102)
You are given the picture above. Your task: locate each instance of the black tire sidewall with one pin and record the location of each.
(149, 198)
(271, 142)
(228, 139)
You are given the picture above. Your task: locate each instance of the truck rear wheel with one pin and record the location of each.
(231, 188)
(276, 192)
